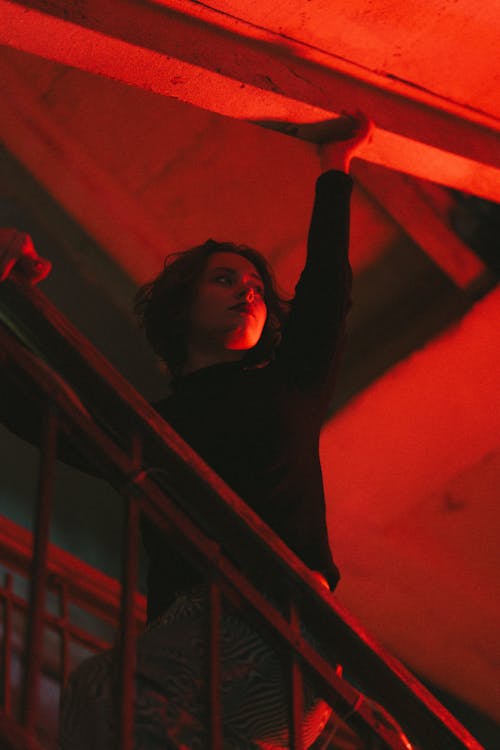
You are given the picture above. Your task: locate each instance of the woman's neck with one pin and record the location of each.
(197, 360)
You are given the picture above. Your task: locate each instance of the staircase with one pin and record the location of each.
(107, 428)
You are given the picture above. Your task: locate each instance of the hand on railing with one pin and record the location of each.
(18, 254)
(321, 579)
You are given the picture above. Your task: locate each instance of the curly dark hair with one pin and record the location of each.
(162, 305)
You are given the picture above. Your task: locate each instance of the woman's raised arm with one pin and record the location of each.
(314, 329)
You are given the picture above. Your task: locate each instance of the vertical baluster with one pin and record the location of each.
(296, 688)
(38, 578)
(7, 646)
(128, 636)
(63, 598)
(128, 622)
(214, 665)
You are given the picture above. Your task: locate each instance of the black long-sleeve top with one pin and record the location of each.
(259, 428)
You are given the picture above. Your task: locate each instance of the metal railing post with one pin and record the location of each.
(296, 687)
(63, 598)
(128, 639)
(7, 647)
(33, 655)
(214, 664)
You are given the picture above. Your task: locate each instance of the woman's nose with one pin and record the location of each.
(248, 292)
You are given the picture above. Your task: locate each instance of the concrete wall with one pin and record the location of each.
(412, 471)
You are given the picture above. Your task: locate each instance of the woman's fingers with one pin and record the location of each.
(338, 152)
(362, 127)
(6, 266)
(34, 269)
(320, 578)
(18, 252)
(11, 244)
(366, 126)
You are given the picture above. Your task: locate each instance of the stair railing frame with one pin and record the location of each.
(27, 315)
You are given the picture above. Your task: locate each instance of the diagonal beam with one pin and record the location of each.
(228, 66)
(87, 192)
(412, 208)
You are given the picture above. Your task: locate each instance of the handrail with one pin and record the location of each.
(211, 523)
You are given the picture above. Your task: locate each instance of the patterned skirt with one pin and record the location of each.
(171, 692)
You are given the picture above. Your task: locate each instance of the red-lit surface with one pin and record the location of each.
(412, 466)
(226, 66)
(412, 472)
(447, 47)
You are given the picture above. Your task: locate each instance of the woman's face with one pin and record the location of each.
(228, 309)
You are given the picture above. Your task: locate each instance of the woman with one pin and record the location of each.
(251, 383)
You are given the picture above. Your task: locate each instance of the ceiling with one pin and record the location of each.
(443, 48)
(429, 80)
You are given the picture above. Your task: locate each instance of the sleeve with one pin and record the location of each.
(22, 413)
(314, 329)
(19, 412)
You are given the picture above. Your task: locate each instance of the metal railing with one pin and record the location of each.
(76, 588)
(126, 441)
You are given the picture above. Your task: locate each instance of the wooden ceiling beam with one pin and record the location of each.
(230, 67)
(87, 192)
(414, 209)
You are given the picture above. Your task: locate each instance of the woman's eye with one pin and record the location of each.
(223, 279)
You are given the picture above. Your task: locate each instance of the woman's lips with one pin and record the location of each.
(243, 308)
